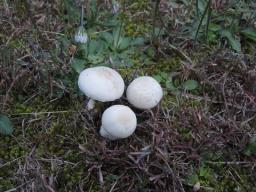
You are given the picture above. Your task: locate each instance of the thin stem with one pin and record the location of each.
(90, 105)
(119, 32)
(154, 17)
(202, 18)
(82, 15)
(197, 8)
(208, 20)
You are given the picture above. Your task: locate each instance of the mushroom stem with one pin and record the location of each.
(105, 134)
(90, 105)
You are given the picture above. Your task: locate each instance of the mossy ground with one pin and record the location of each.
(192, 137)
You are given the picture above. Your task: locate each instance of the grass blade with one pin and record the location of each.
(202, 18)
(208, 20)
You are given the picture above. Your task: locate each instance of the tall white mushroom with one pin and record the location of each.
(118, 122)
(144, 92)
(101, 83)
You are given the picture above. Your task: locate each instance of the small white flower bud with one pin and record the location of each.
(81, 35)
(197, 186)
(116, 6)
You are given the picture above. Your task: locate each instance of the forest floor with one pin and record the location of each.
(201, 137)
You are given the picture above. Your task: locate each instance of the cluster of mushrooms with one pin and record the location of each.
(105, 84)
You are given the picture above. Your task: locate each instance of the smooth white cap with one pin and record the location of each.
(118, 122)
(144, 92)
(101, 83)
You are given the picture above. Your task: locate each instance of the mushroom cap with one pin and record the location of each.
(101, 83)
(144, 92)
(118, 122)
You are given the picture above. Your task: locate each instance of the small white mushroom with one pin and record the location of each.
(144, 92)
(101, 84)
(118, 122)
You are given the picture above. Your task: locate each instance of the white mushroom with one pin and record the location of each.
(118, 122)
(101, 83)
(144, 92)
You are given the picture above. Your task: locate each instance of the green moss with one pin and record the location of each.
(70, 176)
(21, 9)
(166, 65)
(5, 184)
(227, 181)
(195, 103)
(12, 150)
(23, 108)
(222, 178)
(136, 25)
(135, 28)
(185, 133)
(168, 100)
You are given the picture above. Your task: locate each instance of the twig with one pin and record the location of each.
(57, 160)
(11, 86)
(6, 8)
(82, 15)
(230, 162)
(248, 120)
(46, 185)
(52, 32)
(16, 188)
(11, 36)
(182, 53)
(43, 112)
(9, 162)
